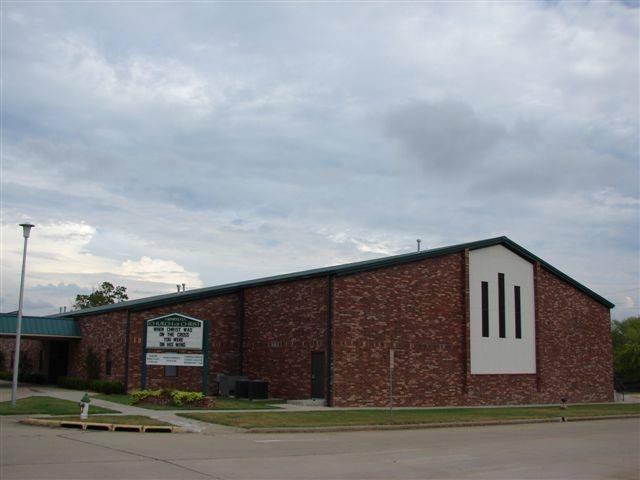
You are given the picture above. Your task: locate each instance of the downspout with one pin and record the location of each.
(126, 352)
(241, 333)
(329, 340)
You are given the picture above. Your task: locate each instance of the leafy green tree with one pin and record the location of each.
(105, 294)
(626, 349)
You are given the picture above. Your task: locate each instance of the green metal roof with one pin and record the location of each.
(40, 326)
(337, 270)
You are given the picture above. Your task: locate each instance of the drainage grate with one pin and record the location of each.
(97, 426)
(158, 428)
(72, 425)
(127, 428)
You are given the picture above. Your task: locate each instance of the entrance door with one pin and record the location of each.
(317, 375)
(58, 360)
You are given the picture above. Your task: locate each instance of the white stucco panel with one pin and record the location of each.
(495, 355)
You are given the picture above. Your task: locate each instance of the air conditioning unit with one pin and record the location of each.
(227, 384)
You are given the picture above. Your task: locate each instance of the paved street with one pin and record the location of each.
(596, 449)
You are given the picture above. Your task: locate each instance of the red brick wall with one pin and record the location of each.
(222, 314)
(284, 324)
(574, 343)
(420, 310)
(29, 348)
(100, 332)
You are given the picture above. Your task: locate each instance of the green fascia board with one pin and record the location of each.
(40, 326)
(337, 270)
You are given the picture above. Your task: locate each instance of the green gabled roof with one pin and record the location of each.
(40, 326)
(337, 270)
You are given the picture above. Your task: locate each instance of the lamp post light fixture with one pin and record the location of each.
(26, 230)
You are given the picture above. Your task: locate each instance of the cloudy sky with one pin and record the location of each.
(159, 143)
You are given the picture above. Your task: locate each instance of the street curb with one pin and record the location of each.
(111, 427)
(418, 426)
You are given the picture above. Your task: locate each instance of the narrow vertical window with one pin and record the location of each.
(40, 360)
(502, 326)
(107, 367)
(516, 296)
(485, 309)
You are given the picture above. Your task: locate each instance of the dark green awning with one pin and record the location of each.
(61, 327)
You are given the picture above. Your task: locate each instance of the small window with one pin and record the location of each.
(518, 310)
(485, 309)
(502, 325)
(170, 371)
(107, 366)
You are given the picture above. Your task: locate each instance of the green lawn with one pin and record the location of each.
(119, 419)
(46, 405)
(222, 403)
(381, 417)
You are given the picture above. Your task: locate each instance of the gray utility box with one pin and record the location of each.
(227, 384)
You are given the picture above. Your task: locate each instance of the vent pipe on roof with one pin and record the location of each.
(418, 241)
(184, 287)
(178, 287)
(64, 309)
(60, 309)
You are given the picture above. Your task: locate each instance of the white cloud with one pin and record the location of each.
(59, 254)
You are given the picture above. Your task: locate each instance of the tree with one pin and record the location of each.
(105, 294)
(626, 349)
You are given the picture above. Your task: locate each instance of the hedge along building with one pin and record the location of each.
(479, 323)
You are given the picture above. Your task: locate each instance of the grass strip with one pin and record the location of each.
(332, 418)
(222, 403)
(46, 406)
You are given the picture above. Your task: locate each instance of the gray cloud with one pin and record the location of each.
(238, 141)
(446, 137)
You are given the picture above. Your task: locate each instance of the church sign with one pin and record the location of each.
(174, 332)
(177, 359)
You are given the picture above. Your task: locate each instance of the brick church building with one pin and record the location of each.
(481, 323)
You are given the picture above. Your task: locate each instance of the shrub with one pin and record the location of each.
(24, 377)
(106, 386)
(140, 395)
(178, 397)
(73, 383)
(92, 365)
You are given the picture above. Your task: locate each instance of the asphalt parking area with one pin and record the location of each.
(593, 449)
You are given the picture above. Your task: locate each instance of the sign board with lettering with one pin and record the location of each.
(174, 332)
(177, 359)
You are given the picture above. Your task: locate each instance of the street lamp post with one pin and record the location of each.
(26, 229)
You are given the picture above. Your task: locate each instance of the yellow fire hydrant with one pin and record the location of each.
(84, 407)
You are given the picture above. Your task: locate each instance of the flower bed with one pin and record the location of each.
(177, 398)
(204, 402)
